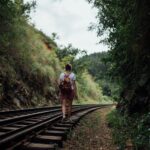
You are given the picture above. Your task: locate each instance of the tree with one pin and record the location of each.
(129, 30)
(12, 15)
(68, 54)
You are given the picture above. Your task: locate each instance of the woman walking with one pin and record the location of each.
(68, 91)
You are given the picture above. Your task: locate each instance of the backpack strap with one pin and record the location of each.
(66, 75)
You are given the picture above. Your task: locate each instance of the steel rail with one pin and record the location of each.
(11, 112)
(33, 128)
(22, 117)
(27, 110)
(14, 119)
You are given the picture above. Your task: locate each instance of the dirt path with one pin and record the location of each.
(92, 133)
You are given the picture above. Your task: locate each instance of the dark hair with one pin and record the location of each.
(68, 67)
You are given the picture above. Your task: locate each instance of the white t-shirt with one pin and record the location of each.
(71, 76)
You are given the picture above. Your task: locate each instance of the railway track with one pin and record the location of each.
(40, 129)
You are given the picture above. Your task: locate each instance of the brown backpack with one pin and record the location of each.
(66, 85)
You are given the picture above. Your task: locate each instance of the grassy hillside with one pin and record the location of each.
(30, 62)
(97, 66)
(30, 72)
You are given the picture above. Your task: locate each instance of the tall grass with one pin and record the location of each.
(88, 89)
(30, 65)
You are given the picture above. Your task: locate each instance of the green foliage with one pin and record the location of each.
(133, 128)
(29, 67)
(128, 32)
(110, 88)
(88, 89)
(114, 17)
(68, 54)
(13, 14)
(141, 132)
(119, 131)
(96, 65)
(128, 27)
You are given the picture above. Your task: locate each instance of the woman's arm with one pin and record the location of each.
(75, 89)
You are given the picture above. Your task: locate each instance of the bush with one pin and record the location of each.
(88, 89)
(136, 129)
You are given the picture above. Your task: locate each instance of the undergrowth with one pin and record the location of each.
(135, 129)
